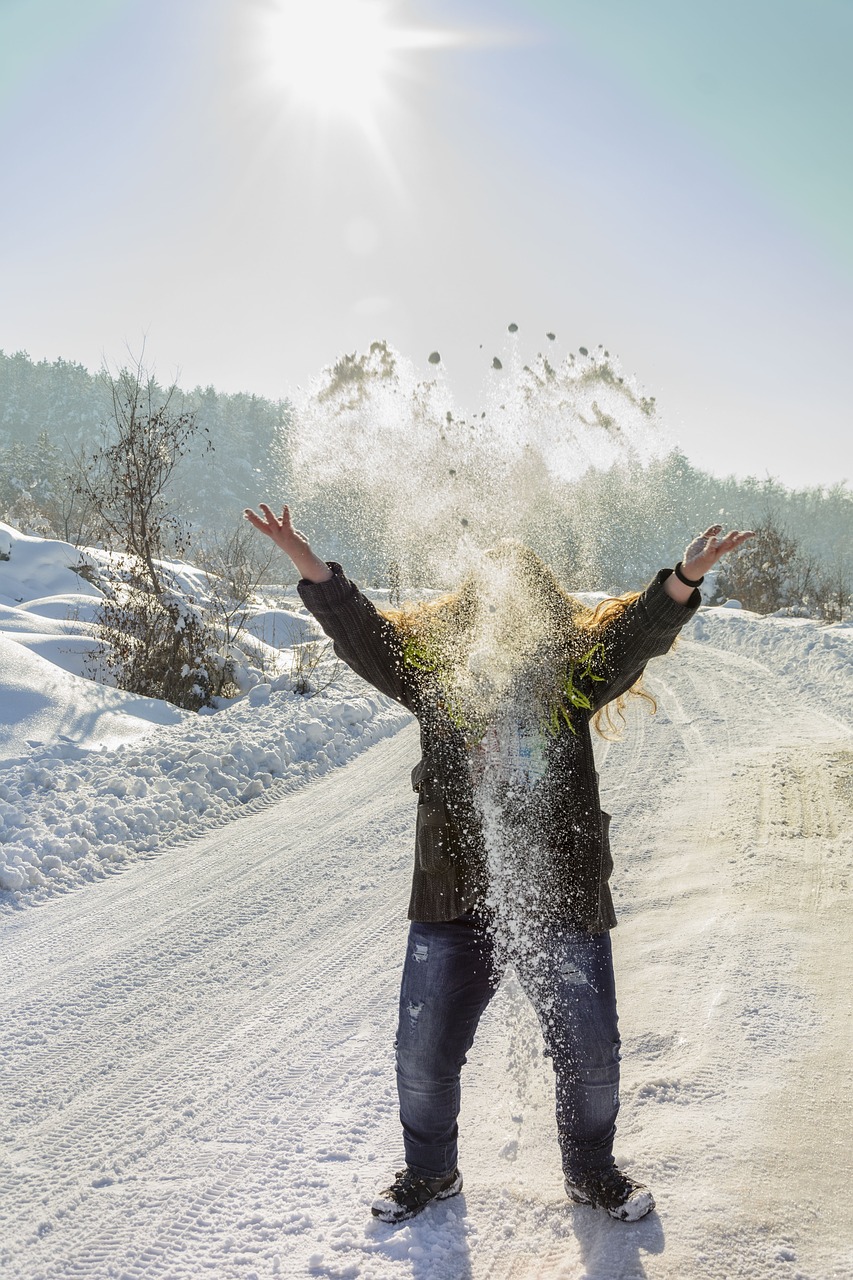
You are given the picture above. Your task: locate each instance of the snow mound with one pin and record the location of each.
(72, 609)
(282, 628)
(42, 705)
(76, 654)
(39, 567)
(815, 659)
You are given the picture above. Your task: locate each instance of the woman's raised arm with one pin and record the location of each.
(308, 565)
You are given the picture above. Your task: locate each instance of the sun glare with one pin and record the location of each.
(332, 57)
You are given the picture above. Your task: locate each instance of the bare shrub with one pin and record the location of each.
(156, 641)
(311, 670)
(156, 645)
(234, 567)
(772, 572)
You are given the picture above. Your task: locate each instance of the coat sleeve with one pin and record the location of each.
(647, 629)
(362, 638)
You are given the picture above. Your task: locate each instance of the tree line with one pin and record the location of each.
(55, 414)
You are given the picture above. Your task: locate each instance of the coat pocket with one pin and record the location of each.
(432, 835)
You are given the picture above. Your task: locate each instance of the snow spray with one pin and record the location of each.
(389, 473)
(408, 490)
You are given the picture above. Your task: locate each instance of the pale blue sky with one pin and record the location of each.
(674, 181)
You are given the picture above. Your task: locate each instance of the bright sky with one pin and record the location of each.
(255, 186)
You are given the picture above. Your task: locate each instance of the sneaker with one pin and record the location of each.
(409, 1194)
(613, 1190)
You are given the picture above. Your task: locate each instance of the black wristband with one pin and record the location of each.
(688, 582)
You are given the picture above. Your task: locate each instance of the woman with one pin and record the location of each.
(512, 858)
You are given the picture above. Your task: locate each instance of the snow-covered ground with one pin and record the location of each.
(85, 788)
(196, 1047)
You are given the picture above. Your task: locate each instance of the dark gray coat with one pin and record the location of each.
(566, 879)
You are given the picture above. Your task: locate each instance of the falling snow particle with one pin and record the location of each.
(434, 357)
(496, 364)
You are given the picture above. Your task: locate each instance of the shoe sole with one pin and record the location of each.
(384, 1209)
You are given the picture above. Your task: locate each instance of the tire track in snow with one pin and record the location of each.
(746, 961)
(246, 1013)
(704, 989)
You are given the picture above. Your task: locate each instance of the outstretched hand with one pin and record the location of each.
(706, 549)
(291, 541)
(281, 531)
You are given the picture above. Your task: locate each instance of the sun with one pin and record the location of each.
(332, 57)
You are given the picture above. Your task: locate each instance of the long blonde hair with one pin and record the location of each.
(434, 632)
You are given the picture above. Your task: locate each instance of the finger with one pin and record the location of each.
(734, 540)
(740, 539)
(262, 525)
(730, 539)
(712, 531)
(272, 518)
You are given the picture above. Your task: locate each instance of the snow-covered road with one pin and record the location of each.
(197, 1066)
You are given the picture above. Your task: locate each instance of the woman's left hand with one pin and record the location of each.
(706, 549)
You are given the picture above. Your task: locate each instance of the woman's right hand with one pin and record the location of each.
(291, 541)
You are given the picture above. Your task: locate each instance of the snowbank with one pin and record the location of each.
(43, 707)
(816, 660)
(33, 567)
(282, 628)
(68, 814)
(94, 777)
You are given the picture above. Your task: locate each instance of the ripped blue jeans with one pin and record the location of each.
(448, 979)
